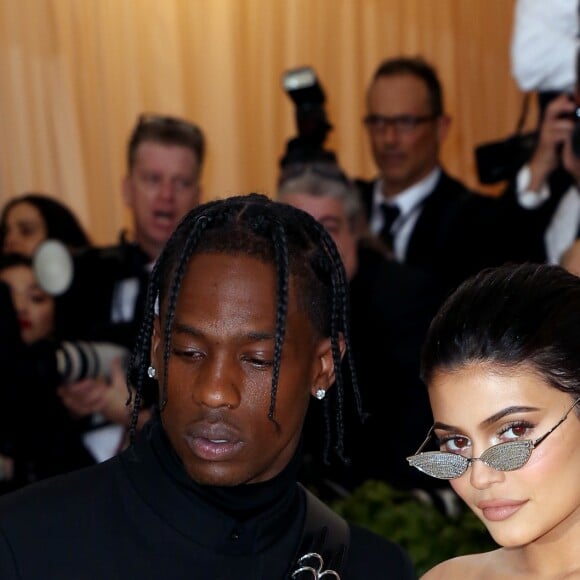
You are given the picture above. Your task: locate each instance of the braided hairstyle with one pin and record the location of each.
(298, 246)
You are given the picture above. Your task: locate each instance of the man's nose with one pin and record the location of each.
(217, 386)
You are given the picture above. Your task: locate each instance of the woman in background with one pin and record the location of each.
(502, 364)
(30, 219)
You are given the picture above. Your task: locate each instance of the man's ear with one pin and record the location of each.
(126, 188)
(443, 125)
(324, 369)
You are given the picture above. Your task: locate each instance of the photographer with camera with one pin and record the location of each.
(38, 436)
(546, 188)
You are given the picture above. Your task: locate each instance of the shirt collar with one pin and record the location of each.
(410, 198)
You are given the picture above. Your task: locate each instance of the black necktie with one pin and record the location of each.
(390, 214)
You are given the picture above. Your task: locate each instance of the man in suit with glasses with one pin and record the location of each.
(430, 220)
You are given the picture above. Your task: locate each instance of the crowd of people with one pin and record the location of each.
(229, 356)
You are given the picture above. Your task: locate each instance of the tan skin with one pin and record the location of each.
(555, 131)
(162, 186)
(220, 372)
(25, 229)
(532, 512)
(331, 213)
(404, 159)
(34, 307)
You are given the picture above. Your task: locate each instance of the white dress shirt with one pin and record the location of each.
(410, 204)
(563, 227)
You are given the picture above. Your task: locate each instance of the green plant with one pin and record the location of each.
(428, 535)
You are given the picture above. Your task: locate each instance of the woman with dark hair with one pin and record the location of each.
(245, 324)
(28, 220)
(502, 363)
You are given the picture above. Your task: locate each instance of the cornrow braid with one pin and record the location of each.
(298, 247)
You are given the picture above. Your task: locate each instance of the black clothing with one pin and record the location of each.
(87, 309)
(35, 429)
(138, 515)
(457, 233)
(391, 305)
(528, 226)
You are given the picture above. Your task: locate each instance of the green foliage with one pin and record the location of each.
(428, 535)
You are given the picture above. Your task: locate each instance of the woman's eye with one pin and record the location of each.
(516, 430)
(454, 444)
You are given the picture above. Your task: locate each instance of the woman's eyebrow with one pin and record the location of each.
(490, 420)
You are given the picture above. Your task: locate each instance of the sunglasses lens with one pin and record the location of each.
(439, 465)
(508, 456)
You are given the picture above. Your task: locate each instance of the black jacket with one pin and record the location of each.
(139, 516)
(458, 232)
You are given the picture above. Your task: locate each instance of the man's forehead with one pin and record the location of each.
(398, 93)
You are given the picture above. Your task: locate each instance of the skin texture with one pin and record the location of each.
(160, 189)
(220, 372)
(25, 229)
(404, 159)
(533, 512)
(331, 213)
(34, 307)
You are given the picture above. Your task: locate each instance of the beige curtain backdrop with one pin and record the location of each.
(76, 73)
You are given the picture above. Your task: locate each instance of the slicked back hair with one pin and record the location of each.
(297, 246)
(524, 316)
(417, 67)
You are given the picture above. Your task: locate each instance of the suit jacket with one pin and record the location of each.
(391, 305)
(458, 232)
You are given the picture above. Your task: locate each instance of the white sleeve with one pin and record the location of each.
(527, 198)
(544, 44)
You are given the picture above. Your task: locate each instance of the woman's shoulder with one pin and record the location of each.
(472, 566)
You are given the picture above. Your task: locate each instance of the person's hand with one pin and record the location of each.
(84, 397)
(114, 406)
(6, 468)
(570, 160)
(555, 131)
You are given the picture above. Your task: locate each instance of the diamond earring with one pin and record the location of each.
(151, 372)
(320, 394)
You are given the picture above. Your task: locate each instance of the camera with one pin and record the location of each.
(47, 362)
(302, 86)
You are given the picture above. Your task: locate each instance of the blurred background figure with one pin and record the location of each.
(390, 308)
(431, 220)
(42, 418)
(30, 219)
(544, 59)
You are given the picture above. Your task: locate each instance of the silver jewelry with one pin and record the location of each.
(320, 394)
(313, 564)
(151, 372)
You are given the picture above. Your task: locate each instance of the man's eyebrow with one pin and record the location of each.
(490, 420)
(181, 328)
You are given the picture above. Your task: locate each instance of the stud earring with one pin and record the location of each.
(320, 394)
(151, 372)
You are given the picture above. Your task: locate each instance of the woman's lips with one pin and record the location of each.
(24, 324)
(498, 510)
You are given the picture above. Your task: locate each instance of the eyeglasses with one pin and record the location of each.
(401, 123)
(507, 456)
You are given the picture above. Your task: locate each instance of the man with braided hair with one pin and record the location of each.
(245, 324)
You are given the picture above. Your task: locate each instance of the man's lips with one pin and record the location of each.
(214, 441)
(499, 509)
